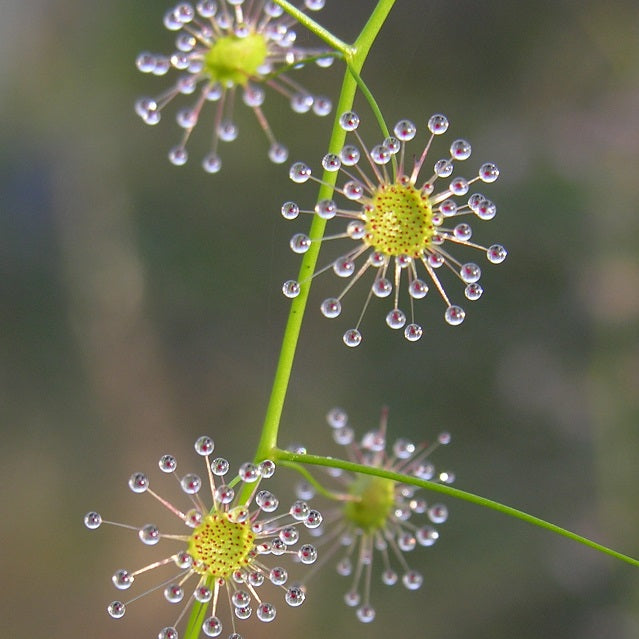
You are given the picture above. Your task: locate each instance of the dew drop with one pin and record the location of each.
(438, 513)
(290, 210)
(266, 612)
(352, 337)
(116, 609)
(412, 580)
(463, 232)
(278, 576)
(454, 315)
(413, 332)
(349, 121)
(92, 520)
(460, 150)
(241, 598)
(313, 519)
(267, 501)
(417, 289)
(470, 272)
(122, 579)
(326, 209)
(212, 163)
(191, 483)
(382, 287)
(178, 156)
(149, 534)
(204, 445)
(168, 633)
(291, 288)
(343, 267)
(299, 172)
(331, 307)
(356, 230)
(243, 612)
(366, 614)
(248, 473)
(352, 598)
(438, 124)
(405, 130)
(167, 463)
(322, 104)
(307, 554)
(396, 319)
(266, 468)
(331, 162)
(473, 291)
(212, 627)
(301, 102)
(459, 186)
(443, 168)
(350, 155)
(427, 536)
(380, 154)
(295, 596)
(496, 254)
(353, 190)
(278, 153)
(488, 172)
(389, 577)
(220, 466)
(300, 243)
(174, 593)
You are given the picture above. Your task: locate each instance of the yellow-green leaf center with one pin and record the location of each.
(400, 221)
(234, 61)
(219, 545)
(374, 498)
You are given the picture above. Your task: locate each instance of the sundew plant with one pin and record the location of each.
(400, 210)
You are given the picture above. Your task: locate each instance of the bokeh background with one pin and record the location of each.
(140, 307)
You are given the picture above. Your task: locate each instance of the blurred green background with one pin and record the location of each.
(141, 307)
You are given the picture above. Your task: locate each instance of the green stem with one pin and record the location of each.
(299, 458)
(356, 56)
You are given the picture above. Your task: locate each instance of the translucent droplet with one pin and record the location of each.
(396, 319)
(299, 172)
(291, 288)
(438, 513)
(122, 579)
(307, 554)
(168, 633)
(331, 162)
(356, 230)
(290, 210)
(174, 593)
(485, 210)
(353, 190)
(92, 520)
(314, 5)
(350, 155)
(204, 445)
(443, 168)
(240, 598)
(413, 332)
(460, 150)
(343, 267)
(116, 609)
(149, 534)
(326, 209)
(403, 448)
(191, 483)
(220, 466)
(488, 172)
(435, 260)
(393, 145)
(389, 577)
(278, 576)
(248, 473)
(382, 287)
(266, 612)
(438, 124)
(266, 468)
(212, 627)
(186, 118)
(459, 186)
(454, 315)
(331, 307)
(243, 612)
(313, 519)
(406, 542)
(224, 494)
(167, 463)
(473, 291)
(301, 102)
(178, 156)
(289, 535)
(470, 272)
(405, 130)
(267, 501)
(183, 560)
(227, 131)
(412, 580)
(295, 596)
(448, 208)
(278, 153)
(496, 254)
(366, 613)
(253, 96)
(380, 154)
(417, 289)
(300, 243)
(427, 536)
(352, 337)
(463, 232)
(212, 163)
(322, 105)
(349, 121)
(203, 594)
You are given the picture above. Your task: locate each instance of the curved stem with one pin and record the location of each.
(355, 56)
(456, 493)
